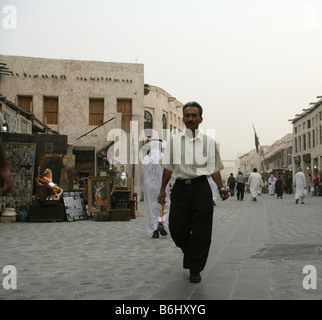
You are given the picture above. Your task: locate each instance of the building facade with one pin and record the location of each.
(276, 159)
(163, 114)
(307, 139)
(90, 102)
(249, 161)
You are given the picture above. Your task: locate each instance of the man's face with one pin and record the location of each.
(191, 118)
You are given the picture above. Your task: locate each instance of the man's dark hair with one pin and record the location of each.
(255, 169)
(193, 104)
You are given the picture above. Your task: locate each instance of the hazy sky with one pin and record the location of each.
(245, 61)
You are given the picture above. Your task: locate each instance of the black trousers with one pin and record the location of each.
(240, 191)
(231, 189)
(190, 221)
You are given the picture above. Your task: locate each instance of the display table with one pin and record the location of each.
(120, 215)
(54, 212)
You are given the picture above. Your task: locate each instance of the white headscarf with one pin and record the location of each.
(154, 154)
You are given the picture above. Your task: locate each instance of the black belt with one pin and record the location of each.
(191, 181)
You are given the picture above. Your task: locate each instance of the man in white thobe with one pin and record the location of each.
(151, 178)
(271, 185)
(300, 185)
(255, 183)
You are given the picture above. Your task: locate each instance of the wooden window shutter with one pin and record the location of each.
(51, 110)
(25, 103)
(96, 112)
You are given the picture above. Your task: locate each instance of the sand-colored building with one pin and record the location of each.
(87, 101)
(307, 139)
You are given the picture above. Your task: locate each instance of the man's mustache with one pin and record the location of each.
(190, 122)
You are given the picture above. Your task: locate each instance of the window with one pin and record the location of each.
(295, 130)
(25, 103)
(164, 126)
(295, 144)
(300, 144)
(148, 123)
(320, 134)
(304, 142)
(309, 140)
(313, 138)
(51, 110)
(289, 157)
(317, 136)
(96, 111)
(308, 124)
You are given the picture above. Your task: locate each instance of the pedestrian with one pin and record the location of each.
(300, 185)
(254, 182)
(6, 179)
(214, 189)
(190, 157)
(289, 184)
(311, 185)
(271, 184)
(315, 183)
(279, 188)
(156, 216)
(231, 183)
(240, 181)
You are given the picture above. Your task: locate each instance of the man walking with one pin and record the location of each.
(240, 180)
(300, 185)
(151, 177)
(190, 157)
(231, 183)
(254, 182)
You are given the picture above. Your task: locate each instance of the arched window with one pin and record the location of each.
(148, 123)
(164, 126)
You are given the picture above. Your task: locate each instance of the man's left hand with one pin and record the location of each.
(224, 194)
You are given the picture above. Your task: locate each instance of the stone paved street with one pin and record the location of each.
(258, 251)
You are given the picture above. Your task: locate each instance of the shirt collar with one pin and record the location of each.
(197, 137)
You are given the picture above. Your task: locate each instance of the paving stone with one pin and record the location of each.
(258, 251)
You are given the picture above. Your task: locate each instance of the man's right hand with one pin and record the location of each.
(161, 197)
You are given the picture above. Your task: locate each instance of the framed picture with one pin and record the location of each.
(21, 162)
(74, 205)
(98, 193)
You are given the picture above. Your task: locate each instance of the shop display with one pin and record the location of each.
(21, 162)
(74, 205)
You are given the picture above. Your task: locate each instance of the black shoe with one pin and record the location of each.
(162, 230)
(195, 277)
(297, 201)
(155, 234)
